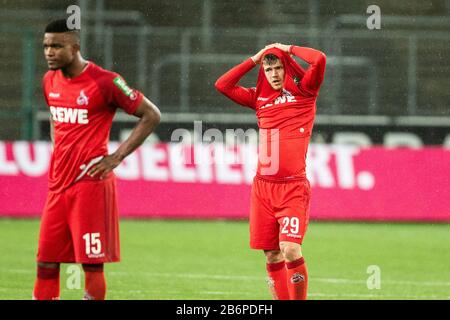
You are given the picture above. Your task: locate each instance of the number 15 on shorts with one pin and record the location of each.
(93, 244)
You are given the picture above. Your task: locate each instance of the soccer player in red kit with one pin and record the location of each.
(80, 219)
(285, 103)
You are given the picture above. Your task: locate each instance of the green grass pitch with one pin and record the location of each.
(190, 260)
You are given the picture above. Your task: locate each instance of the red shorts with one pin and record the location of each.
(279, 212)
(81, 224)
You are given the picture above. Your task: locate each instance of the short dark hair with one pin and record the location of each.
(58, 26)
(270, 59)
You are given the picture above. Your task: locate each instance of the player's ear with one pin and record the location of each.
(75, 48)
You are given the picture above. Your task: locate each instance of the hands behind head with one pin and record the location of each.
(283, 47)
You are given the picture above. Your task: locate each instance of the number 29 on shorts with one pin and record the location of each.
(290, 225)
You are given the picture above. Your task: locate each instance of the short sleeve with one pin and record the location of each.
(124, 97)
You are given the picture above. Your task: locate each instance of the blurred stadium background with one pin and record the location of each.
(173, 50)
(386, 88)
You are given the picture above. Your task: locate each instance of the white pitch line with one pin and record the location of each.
(323, 295)
(399, 282)
(193, 276)
(256, 278)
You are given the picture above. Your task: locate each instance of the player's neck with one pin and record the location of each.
(75, 68)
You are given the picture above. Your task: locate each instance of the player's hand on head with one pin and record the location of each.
(257, 57)
(269, 46)
(105, 166)
(282, 47)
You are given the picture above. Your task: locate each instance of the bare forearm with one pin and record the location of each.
(145, 126)
(138, 135)
(149, 118)
(52, 132)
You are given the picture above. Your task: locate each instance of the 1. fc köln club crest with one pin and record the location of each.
(297, 277)
(82, 99)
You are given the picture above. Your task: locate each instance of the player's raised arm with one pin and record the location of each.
(315, 73)
(227, 83)
(150, 116)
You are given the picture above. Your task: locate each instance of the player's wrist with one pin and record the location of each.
(118, 156)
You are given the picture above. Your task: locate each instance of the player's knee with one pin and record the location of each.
(291, 251)
(273, 256)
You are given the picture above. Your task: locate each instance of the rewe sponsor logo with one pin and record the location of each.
(69, 115)
(280, 100)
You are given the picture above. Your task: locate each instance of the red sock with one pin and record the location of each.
(47, 284)
(277, 280)
(297, 277)
(95, 283)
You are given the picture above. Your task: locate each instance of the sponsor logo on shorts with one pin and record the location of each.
(95, 256)
(297, 236)
(297, 278)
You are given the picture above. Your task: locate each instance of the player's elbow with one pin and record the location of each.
(150, 113)
(321, 59)
(220, 85)
(155, 116)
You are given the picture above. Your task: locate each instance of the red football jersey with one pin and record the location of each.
(82, 109)
(286, 117)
